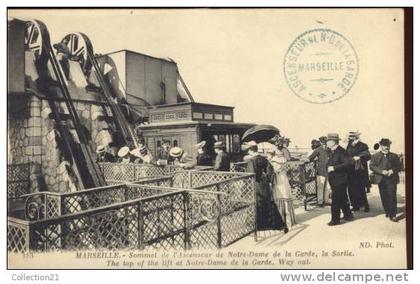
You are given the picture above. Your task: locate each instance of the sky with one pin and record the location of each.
(235, 57)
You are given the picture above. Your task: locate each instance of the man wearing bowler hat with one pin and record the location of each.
(323, 187)
(386, 167)
(337, 166)
(222, 162)
(358, 173)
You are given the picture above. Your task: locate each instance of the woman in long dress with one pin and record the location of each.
(282, 191)
(268, 217)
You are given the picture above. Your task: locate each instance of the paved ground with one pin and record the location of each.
(385, 238)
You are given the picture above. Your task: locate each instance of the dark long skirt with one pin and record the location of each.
(268, 216)
(357, 189)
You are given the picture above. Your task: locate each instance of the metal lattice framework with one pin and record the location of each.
(18, 182)
(47, 205)
(237, 204)
(120, 173)
(165, 221)
(17, 235)
(147, 214)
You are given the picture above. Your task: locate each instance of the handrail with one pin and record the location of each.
(226, 173)
(90, 189)
(178, 189)
(17, 220)
(119, 205)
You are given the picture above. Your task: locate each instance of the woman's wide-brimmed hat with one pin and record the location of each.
(123, 151)
(176, 152)
(333, 136)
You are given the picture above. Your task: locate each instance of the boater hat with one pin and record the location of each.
(200, 145)
(100, 149)
(123, 151)
(176, 152)
(333, 136)
(385, 142)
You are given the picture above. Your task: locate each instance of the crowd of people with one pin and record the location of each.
(167, 155)
(275, 209)
(343, 179)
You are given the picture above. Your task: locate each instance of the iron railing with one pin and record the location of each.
(173, 219)
(18, 180)
(130, 172)
(147, 214)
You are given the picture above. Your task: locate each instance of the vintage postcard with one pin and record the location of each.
(208, 139)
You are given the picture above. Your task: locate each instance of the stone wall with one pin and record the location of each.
(33, 139)
(24, 130)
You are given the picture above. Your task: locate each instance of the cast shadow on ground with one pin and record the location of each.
(376, 209)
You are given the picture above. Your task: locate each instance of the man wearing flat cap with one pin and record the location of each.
(386, 166)
(222, 162)
(358, 173)
(338, 165)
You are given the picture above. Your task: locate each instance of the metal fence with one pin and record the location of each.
(155, 221)
(146, 214)
(302, 179)
(130, 172)
(47, 205)
(18, 181)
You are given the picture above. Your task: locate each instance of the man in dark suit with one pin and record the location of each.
(337, 166)
(385, 167)
(358, 173)
(222, 162)
(323, 187)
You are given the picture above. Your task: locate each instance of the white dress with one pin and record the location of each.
(282, 191)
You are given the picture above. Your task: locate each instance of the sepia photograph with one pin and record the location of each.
(209, 138)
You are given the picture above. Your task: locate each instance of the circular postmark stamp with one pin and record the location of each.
(321, 66)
